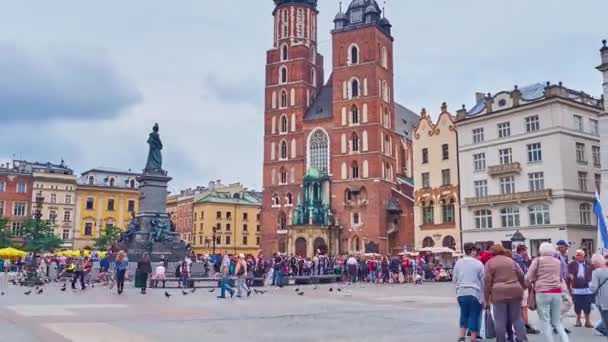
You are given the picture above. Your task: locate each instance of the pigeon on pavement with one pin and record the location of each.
(167, 295)
(28, 293)
(184, 293)
(301, 293)
(40, 291)
(212, 290)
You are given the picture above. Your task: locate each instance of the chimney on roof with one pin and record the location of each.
(603, 68)
(555, 90)
(516, 96)
(461, 113)
(489, 101)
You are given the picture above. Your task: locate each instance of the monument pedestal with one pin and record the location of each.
(152, 212)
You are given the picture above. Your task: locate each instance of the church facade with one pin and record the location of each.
(337, 154)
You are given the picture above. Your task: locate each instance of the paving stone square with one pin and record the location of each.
(360, 312)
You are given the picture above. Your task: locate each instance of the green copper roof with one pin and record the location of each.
(243, 198)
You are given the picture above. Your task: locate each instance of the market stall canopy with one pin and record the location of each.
(437, 250)
(12, 253)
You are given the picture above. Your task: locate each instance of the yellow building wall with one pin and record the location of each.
(205, 218)
(101, 214)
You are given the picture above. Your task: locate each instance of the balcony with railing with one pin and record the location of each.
(516, 197)
(503, 169)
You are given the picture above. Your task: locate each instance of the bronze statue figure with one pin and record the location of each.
(155, 158)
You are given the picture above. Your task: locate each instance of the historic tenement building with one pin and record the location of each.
(437, 209)
(333, 151)
(16, 195)
(530, 162)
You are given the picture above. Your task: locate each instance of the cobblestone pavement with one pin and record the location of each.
(355, 313)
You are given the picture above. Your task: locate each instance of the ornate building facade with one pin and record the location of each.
(16, 183)
(104, 197)
(332, 151)
(437, 210)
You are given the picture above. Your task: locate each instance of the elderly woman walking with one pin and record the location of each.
(544, 276)
(504, 288)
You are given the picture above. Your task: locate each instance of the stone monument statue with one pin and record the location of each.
(155, 157)
(151, 230)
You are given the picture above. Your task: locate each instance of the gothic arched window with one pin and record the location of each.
(284, 124)
(354, 115)
(283, 150)
(319, 151)
(355, 142)
(284, 52)
(283, 74)
(354, 54)
(283, 99)
(354, 170)
(285, 23)
(354, 87)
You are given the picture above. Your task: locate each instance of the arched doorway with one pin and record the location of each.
(320, 246)
(449, 242)
(428, 242)
(301, 247)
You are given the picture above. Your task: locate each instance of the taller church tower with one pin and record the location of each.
(294, 73)
(603, 68)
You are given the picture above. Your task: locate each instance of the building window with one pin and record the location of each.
(52, 217)
(479, 162)
(17, 229)
(112, 182)
(356, 219)
(481, 188)
(505, 156)
(218, 227)
(283, 75)
(218, 215)
(257, 228)
(509, 217)
(447, 210)
(90, 203)
(504, 129)
(428, 242)
(284, 52)
(355, 170)
(483, 219)
(507, 185)
(426, 180)
(594, 127)
(283, 176)
(21, 188)
(598, 182)
(354, 115)
(110, 205)
(275, 201)
(245, 227)
(289, 199)
(578, 123)
(218, 240)
(425, 156)
(67, 216)
(132, 183)
(228, 215)
(536, 181)
(283, 99)
(597, 158)
(91, 180)
(355, 142)
(284, 125)
(131, 207)
(319, 151)
(257, 241)
(228, 240)
(585, 213)
(580, 153)
(88, 229)
(539, 215)
(478, 135)
(228, 227)
(283, 150)
(582, 181)
(445, 177)
(2, 186)
(68, 199)
(65, 235)
(445, 151)
(535, 153)
(53, 198)
(245, 216)
(532, 123)
(354, 88)
(428, 213)
(354, 54)
(2, 204)
(19, 209)
(245, 241)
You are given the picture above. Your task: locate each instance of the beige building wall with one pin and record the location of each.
(59, 206)
(435, 149)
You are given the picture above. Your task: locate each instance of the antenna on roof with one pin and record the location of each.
(384, 9)
(340, 7)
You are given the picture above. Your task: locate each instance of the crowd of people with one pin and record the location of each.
(502, 288)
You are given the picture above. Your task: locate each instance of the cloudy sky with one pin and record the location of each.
(86, 80)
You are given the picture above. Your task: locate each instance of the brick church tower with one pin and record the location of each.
(332, 151)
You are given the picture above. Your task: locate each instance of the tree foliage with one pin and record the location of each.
(5, 233)
(110, 234)
(38, 237)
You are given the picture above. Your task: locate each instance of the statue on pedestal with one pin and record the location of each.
(155, 158)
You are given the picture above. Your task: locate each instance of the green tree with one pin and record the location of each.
(38, 237)
(110, 234)
(5, 234)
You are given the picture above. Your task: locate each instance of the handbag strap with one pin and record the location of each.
(600, 287)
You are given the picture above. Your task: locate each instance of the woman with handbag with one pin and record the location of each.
(545, 277)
